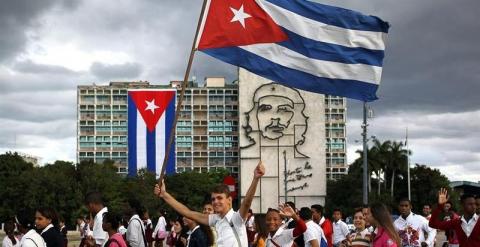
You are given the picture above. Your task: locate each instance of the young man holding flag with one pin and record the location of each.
(230, 225)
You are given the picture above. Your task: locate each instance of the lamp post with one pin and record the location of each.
(365, 151)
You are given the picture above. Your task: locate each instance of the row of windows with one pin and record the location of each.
(103, 154)
(103, 144)
(102, 91)
(103, 107)
(103, 138)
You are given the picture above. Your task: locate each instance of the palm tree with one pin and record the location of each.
(374, 165)
(398, 159)
(383, 149)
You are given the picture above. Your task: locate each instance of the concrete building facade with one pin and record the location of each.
(207, 128)
(285, 128)
(336, 136)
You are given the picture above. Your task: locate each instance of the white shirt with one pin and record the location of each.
(283, 237)
(135, 232)
(7, 242)
(314, 231)
(46, 228)
(81, 229)
(340, 231)
(161, 226)
(468, 226)
(414, 225)
(225, 234)
(122, 230)
(98, 234)
(250, 223)
(32, 239)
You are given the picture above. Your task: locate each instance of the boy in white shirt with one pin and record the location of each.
(313, 236)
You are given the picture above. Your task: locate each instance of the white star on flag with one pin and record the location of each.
(239, 15)
(151, 106)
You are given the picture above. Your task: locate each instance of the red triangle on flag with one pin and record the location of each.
(236, 23)
(151, 104)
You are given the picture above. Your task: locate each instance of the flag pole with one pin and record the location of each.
(408, 165)
(182, 93)
(365, 152)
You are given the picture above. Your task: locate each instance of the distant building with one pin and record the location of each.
(102, 122)
(207, 128)
(466, 187)
(35, 160)
(336, 136)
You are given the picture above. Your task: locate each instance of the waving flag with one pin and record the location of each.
(150, 121)
(301, 44)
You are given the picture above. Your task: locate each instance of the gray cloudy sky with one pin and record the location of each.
(430, 81)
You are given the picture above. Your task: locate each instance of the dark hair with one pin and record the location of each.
(404, 199)
(261, 225)
(337, 210)
(273, 210)
(208, 232)
(221, 189)
(356, 210)
(291, 204)
(466, 196)
(382, 216)
(9, 227)
(94, 197)
(49, 213)
(427, 204)
(305, 213)
(112, 219)
(136, 207)
(318, 208)
(25, 219)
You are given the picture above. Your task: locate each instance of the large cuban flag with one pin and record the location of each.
(150, 122)
(301, 44)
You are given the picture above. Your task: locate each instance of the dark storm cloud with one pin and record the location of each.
(432, 56)
(38, 107)
(30, 67)
(107, 72)
(18, 15)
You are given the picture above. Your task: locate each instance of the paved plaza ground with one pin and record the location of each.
(74, 238)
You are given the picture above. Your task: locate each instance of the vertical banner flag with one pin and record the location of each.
(150, 121)
(298, 43)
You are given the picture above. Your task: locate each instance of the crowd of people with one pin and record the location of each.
(219, 225)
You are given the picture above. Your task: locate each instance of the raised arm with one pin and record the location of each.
(434, 221)
(287, 212)
(178, 206)
(247, 201)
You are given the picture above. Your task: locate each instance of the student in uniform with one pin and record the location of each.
(279, 236)
(25, 225)
(110, 225)
(230, 225)
(46, 221)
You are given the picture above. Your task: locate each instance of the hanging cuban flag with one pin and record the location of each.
(150, 121)
(298, 43)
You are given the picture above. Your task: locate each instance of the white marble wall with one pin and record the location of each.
(305, 162)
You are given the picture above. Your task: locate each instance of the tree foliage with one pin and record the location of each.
(63, 186)
(387, 169)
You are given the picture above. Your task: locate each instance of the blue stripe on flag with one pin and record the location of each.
(151, 149)
(331, 52)
(132, 137)
(294, 78)
(169, 117)
(334, 16)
